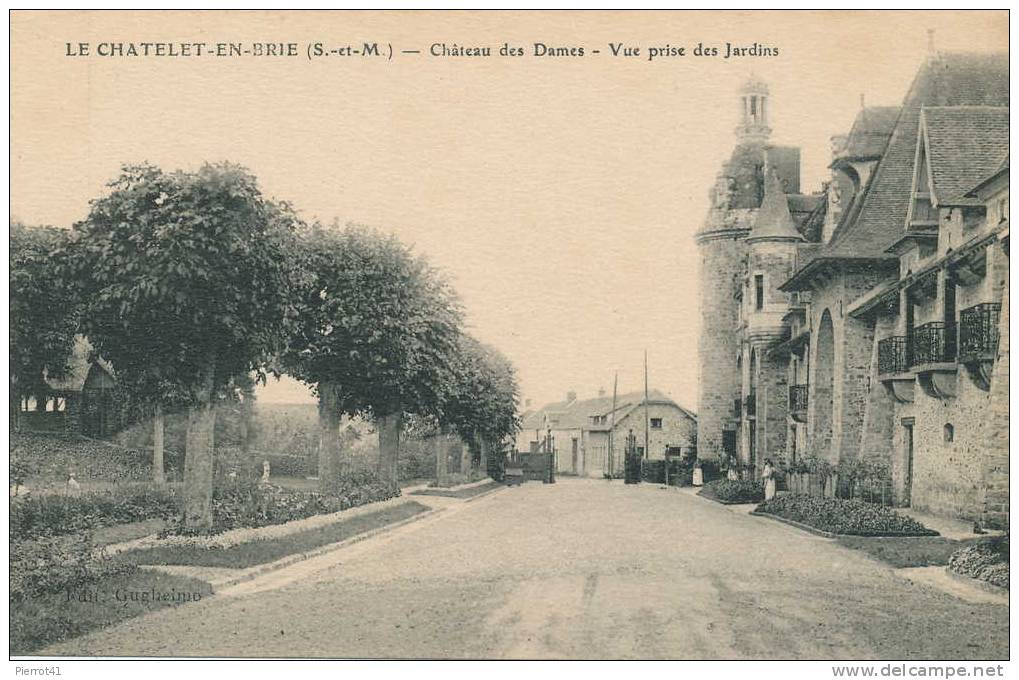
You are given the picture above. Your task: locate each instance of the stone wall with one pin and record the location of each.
(722, 262)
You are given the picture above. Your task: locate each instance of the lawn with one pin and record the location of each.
(911, 551)
(253, 553)
(50, 618)
(459, 493)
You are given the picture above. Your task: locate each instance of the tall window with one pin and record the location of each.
(759, 292)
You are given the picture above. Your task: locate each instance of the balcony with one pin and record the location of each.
(893, 363)
(933, 358)
(933, 343)
(978, 341)
(798, 402)
(750, 405)
(893, 355)
(978, 332)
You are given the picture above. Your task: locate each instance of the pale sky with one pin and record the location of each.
(561, 195)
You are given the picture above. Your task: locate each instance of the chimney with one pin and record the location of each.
(571, 396)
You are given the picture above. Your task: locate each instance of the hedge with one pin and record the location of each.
(34, 516)
(241, 503)
(734, 491)
(840, 516)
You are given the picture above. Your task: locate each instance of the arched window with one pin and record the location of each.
(949, 433)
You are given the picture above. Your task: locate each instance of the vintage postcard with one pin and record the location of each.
(557, 335)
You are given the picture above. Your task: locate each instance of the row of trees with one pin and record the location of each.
(190, 282)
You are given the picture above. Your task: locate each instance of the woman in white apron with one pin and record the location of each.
(768, 475)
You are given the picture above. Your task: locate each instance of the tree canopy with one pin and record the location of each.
(484, 400)
(376, 322)
(183, 270)
(44, 308)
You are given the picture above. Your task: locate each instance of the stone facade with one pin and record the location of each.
(874, 327)
(581, 430)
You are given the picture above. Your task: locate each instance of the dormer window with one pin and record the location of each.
(922, 214)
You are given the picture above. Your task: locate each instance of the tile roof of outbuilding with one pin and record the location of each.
(576, 414)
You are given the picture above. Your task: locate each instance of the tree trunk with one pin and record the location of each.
(441, 459)
(15, 409)
(483, 446)
(465, 458)
(389, 446)
(157, 446)
(328, 436)
(198, 457)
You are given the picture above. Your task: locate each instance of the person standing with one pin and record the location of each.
(768, 475)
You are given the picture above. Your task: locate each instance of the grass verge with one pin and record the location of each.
(255, 553)
(54, 617)
(910, 551)
(459, 493)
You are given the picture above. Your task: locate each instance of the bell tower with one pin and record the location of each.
(755, 107)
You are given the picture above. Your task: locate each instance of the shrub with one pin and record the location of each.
(839, 516)
(985, 561)
(680, 472)
(241, 503)
(50, 456)
(52, 564)
(34, 516)
(735, 491)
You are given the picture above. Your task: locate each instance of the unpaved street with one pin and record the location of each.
(579, 569)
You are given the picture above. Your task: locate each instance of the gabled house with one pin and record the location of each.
(589, 437)
(80, 400)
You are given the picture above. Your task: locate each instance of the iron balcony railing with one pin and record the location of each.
(933, 343)
(797, 398)
(892, 355)
(750, 406)
(978, 331)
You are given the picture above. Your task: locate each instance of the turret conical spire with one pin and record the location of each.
(774, 221)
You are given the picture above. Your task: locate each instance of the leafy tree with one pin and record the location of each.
(44, 312)
(378, 332)
(482, 407)
(189, 279)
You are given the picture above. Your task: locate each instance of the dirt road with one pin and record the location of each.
(579, 569)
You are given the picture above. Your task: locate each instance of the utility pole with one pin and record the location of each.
(612, 424)
(647, 422)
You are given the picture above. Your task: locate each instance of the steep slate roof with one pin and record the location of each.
(875, 221)
(774, 221)
(964, 145)
(869, 135)
(575, 415)
(971, 192)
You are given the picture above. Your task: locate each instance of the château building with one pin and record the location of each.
(868, 322)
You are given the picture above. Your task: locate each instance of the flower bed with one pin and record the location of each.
(240, 504)
(986, 561)
(838, 516)
(34, 516)
(734, 491)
